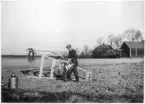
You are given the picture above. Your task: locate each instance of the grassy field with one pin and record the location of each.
(114, 80)
(23, 62)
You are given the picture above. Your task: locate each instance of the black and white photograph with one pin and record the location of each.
(72, 51)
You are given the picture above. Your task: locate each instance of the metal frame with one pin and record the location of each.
(46, 54)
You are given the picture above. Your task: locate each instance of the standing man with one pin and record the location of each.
(72, 58)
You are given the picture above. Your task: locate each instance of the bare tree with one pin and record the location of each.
(133, 35)
(130, 34)
(82, 54)
(111, 38)
(90, 52)
(138, 36)
(85, 49)
(118, 41)
(99, 41)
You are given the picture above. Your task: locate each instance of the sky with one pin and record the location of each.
(52, 24)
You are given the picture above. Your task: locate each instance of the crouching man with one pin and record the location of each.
(73, 59)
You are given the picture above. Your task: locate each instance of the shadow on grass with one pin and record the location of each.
(41, 96)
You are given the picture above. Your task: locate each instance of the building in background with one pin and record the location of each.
(132, 49)
(104, 51)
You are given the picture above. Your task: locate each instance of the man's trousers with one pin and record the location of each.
(75, 71)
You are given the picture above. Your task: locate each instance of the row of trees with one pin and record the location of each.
(115, 41)
(131, 35)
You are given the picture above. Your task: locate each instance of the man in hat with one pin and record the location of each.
(73, 59)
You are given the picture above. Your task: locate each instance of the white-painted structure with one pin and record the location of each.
(46, 54)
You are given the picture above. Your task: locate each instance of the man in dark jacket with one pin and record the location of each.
(73, 59)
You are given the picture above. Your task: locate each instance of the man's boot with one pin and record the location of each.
(77, 79)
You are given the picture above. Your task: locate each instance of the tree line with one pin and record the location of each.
(115, 41)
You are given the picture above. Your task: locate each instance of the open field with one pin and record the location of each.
(23, 62)
(114, 80)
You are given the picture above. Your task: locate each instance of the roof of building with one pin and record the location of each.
(135, 44)
(105, 46)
